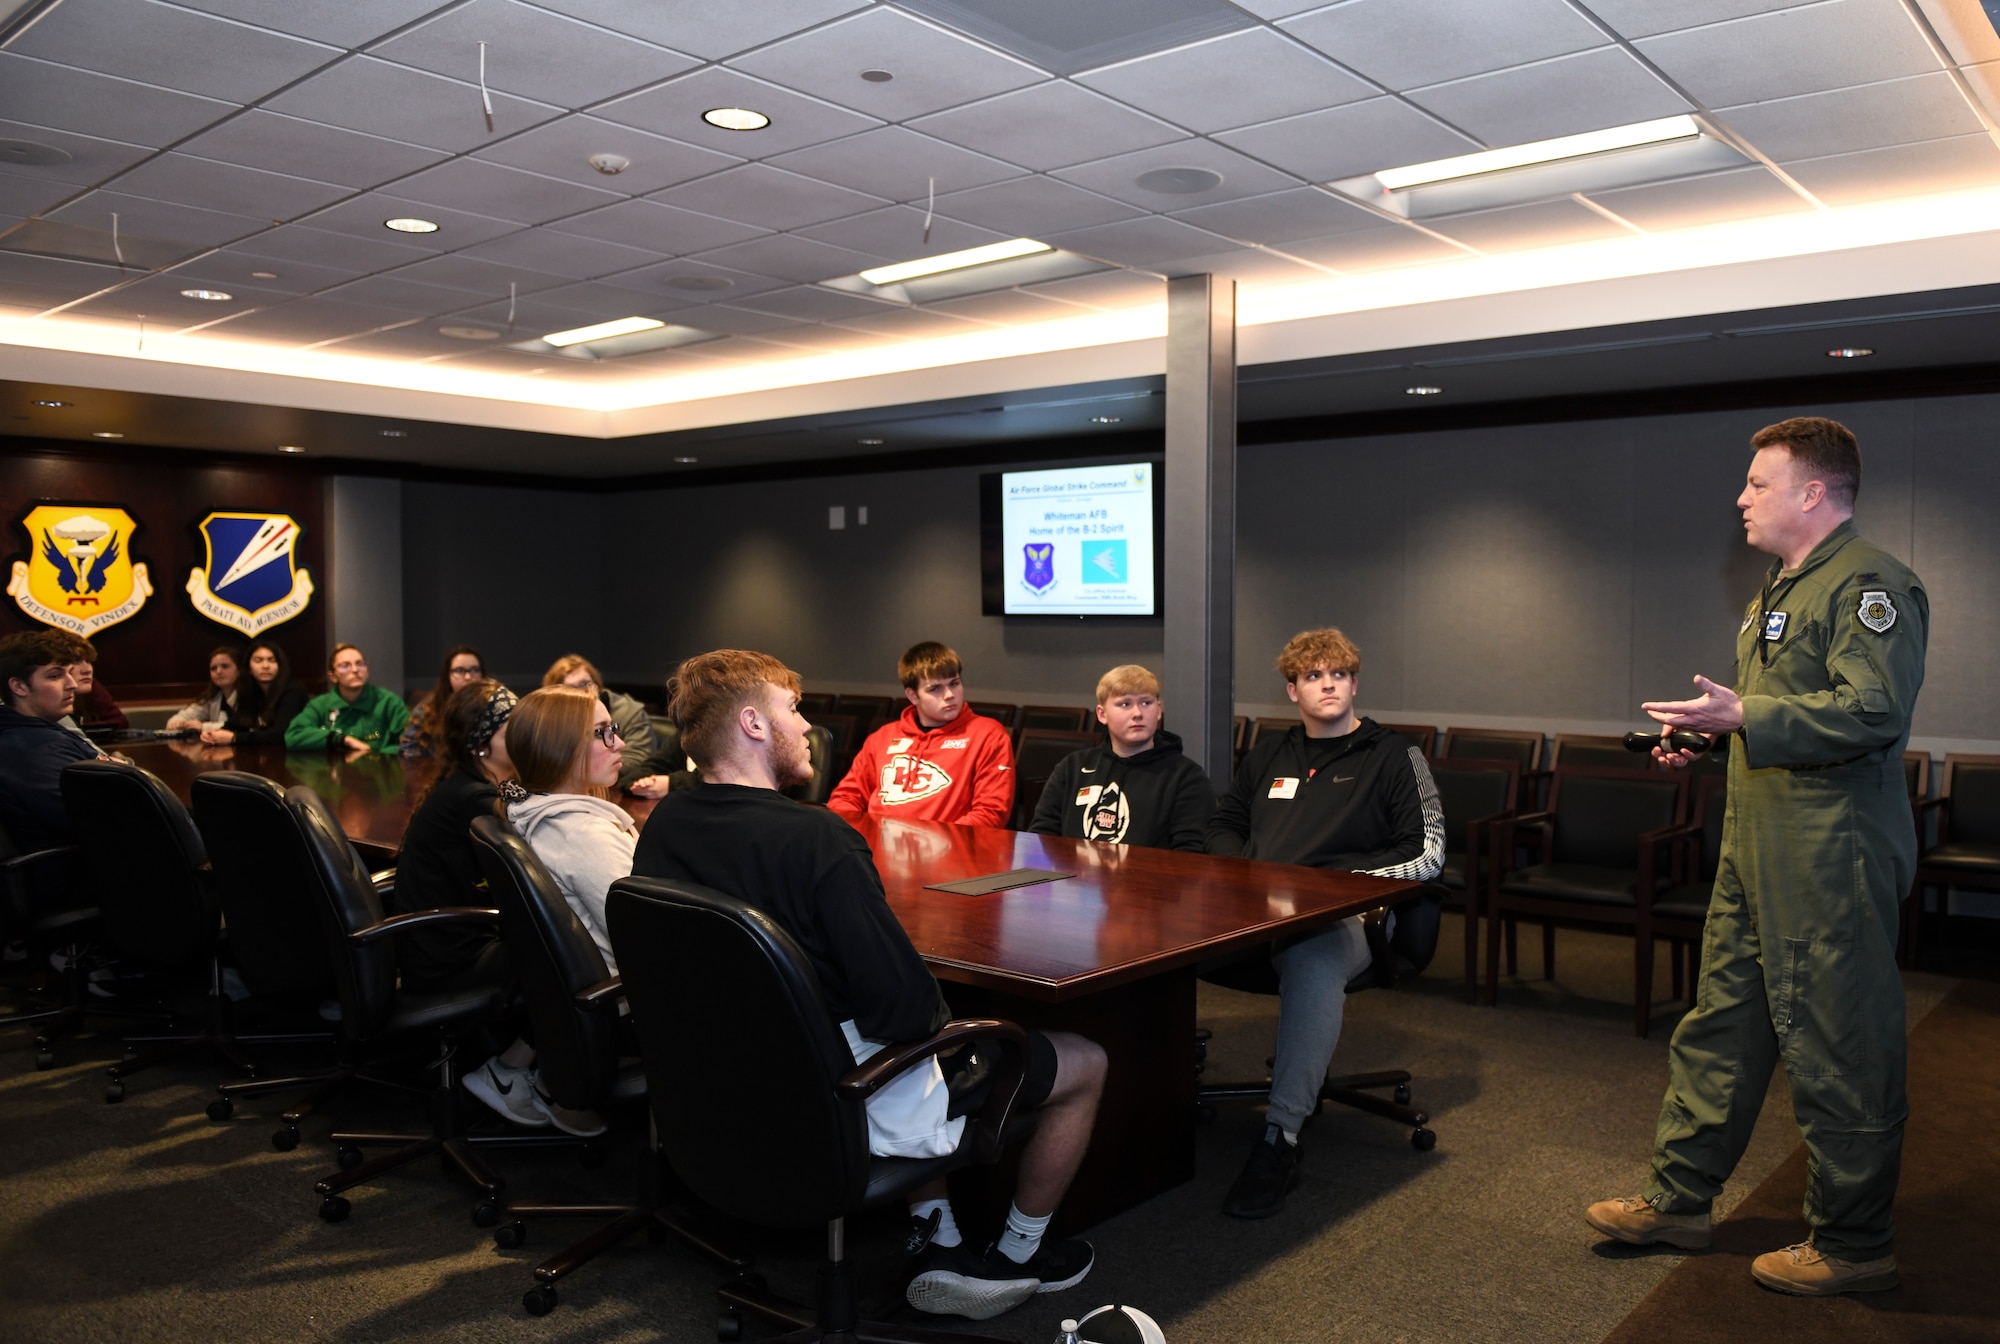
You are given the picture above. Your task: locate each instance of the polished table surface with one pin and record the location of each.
(1109, 953)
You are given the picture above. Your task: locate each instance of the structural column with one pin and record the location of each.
(1200, 541)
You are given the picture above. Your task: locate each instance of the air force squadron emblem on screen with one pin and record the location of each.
(79, 574)
(260, 583)
(1039, 571)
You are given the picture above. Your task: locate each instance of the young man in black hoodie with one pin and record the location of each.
(1337, 791)
(1136, 790)
(39, 690)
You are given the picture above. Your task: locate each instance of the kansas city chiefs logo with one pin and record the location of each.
(907, 780)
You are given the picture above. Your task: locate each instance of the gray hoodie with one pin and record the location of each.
(587, 844)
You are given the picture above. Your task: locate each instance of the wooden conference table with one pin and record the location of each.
(1109, 953)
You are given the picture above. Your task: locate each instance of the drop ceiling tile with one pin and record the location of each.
(260, 139)
(1111, 290)
(532, 316)
(732, 320)
(1007, 308)
(1585, 91)
(40, 282)
(1250, 267)
(421, 340)
(21, 195)
(932, 68)
(1793, 51)
(351, 23)
(488, 358)
(1229, 81)
(532, 52)
(1281, 217)
(158, 219)
(1032, 207)
(1349, 141)
(1142, 242)
(674, 110)
(90, 161)
(897, 164)
(691, 282)
(363, 216)
(809, 339)
(1119, 177)
(399, 294)
(790, 257)
(172, 48)
(659, 230)
(230, 187)
(1373, 249)
(483, 279)
(806, 303)
(1744, 193)
(897, 234)
(767, 197)
(1959, 164)
(1645, 18)
(913, 324)
(43, 94)
(1406, 44)
(502, 193)
(1016, 127)
(563, 149)
(1520, 227)
(710, 31)
(318, 247)
(305, 322)
(611, 301)
(1815, 125)
(565, 254)
(228, 267)
(361, 94)
(165, 308)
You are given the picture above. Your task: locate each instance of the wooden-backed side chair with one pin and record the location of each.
(1474, 795)
(1678, 912)
(870, 711)
(1036, 756)
(1609, 753)
(1004, 715)
(1261, 728)
(1423, 734)
(1966, 852)
(815, 702)
(1238, 736)
(1051, 719)
(1524, 749)
(774, 1133)
(1600, 842)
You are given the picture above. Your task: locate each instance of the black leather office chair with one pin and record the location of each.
(572, 1001)
(1036, 756)
(757, 1102)
(1598, 851)
(1396, 948)
(1474, 794)
(819, 751)
(1967, 850)
(157, 904)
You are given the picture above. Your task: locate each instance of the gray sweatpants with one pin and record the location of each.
(1312, 995)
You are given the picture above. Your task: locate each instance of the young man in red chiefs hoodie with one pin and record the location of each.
(939, 761)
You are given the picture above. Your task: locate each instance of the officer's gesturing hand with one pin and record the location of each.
(1717, 710)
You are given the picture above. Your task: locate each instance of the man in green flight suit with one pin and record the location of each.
(1799, 954)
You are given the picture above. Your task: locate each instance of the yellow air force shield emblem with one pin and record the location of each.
(79, 575)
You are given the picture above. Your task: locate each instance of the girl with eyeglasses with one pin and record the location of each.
(423, 735)
(353, 714)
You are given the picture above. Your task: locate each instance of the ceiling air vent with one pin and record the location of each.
(1066, 36)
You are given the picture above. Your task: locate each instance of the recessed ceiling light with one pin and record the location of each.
(869, 443)
(736, 119)
(953, 261)
(1105, 419)
(263, 275)
(105, 434)
(1423, 391)
(410, 225)
(1850, 352)
(1540, 151)
(290, 448)
(469, 333)
(1178, 181)
(687, 461)
(52, 405)
(624, 326)
(393, 433)
(208, 295)
(877, 76)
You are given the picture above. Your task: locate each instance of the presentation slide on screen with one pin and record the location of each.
(1078, 541)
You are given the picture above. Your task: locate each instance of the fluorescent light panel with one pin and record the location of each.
(1541, 151)
(954, 261)
(624, 326)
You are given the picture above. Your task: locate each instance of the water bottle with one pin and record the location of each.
(1068, 1335)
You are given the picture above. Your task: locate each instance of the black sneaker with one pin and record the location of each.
(1273, 1169)
(959, 1281)
(1061, 1264)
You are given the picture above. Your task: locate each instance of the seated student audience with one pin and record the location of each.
(641, 771)
(353, 715)
(940, 761)
(266, 701)
(1137, 789)
(94, 706)
(1336, 791)
(565, 752)
(225, 676)
(811, 872)
(38, 686)
(422, 736)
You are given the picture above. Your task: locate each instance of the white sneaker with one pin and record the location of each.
(510, 1092)
(583, 1124)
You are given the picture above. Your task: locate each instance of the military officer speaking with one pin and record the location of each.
(1798, 958)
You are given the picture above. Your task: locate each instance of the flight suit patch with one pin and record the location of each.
(1774, 625)
(1877, 612)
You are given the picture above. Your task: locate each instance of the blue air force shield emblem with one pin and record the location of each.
(1040, 570)
(252, 580)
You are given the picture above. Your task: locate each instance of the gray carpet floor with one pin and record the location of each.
(146, 1221)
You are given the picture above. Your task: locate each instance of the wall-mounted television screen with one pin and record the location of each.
(1071, 541)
